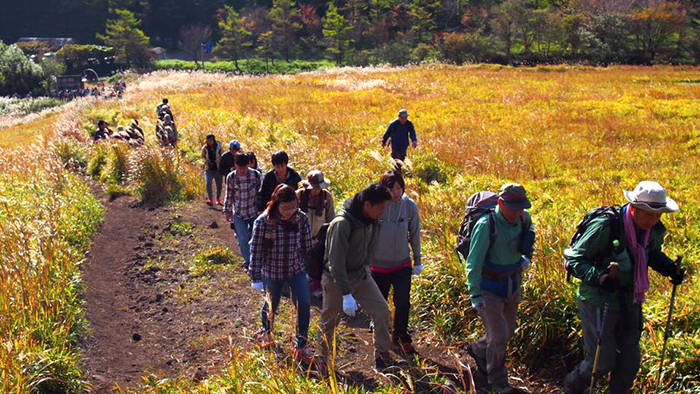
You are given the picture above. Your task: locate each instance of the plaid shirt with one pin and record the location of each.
(241, 194)
(276, 253)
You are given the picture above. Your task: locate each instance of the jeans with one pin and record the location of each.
(401, 281)
(301, 299)
(215, 175)
(244, 229)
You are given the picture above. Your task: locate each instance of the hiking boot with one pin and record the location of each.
(303, 355)
(405, 348)
(480, 362)
(265, 340)
(381, 363)
(218, 202)
(209, 202)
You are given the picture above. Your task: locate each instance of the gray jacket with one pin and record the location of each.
(399, 226)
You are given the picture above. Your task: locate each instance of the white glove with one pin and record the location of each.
(349, 305)
(525, 264)
(417, 269)
(478, 303)
(258, 286)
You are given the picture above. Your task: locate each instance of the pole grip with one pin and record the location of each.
(613, 269)
(677, 263)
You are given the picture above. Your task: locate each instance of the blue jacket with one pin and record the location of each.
(399, 134)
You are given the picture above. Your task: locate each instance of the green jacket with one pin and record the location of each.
(348, 249)
(505, 251)
(587, 261)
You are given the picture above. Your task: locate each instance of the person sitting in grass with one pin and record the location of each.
(281, 173)
(103, 131)
(346, 280)
(494, 274)
(399, 233)
(240, 209)
(640, 235)
(281, 239)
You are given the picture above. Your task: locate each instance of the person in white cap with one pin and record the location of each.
(610, 300)
(399, 131)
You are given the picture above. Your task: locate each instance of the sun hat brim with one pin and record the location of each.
(670, 206)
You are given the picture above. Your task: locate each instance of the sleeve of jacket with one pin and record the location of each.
(330, 208)
(256, 249)
(337, 243)
(305, 229)
(527, 247)
(228, 197)
(412, 130)
(658, 260)
(387, 134)
(582, 254)
(414, 233)
(265, 192)
(478, 249)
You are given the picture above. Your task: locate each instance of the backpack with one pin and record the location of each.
(315, 260)
(478, 204)
(613, 214)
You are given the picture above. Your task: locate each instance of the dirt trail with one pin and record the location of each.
(149, 313)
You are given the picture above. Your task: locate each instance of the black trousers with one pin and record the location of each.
(398, 154)
(401, 281)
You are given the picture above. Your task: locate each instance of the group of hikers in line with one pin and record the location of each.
(166, 130)
(373, 246)
(289, 235)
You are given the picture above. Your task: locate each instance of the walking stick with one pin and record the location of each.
(613, 273)
(677, 266)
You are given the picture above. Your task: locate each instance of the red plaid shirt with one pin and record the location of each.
(278, 253)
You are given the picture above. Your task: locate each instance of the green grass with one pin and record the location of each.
(247, 66)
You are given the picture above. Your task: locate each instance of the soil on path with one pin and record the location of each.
(150, 310)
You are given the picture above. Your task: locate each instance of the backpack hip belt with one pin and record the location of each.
(491, 273)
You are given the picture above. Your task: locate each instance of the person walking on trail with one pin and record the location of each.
(211, 153)
(638, 234)
(228, 162)
(240, 201)
(497, 256)
(346, 279)
(281, 239)
(162, 108)
(392, 266)
(399, 131)
(317, 203)
(281, 173)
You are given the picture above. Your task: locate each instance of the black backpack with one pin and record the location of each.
(478, 205)
(613, 214)
(315, 260)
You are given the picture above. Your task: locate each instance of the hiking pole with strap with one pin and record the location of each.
(601, 328)
(677, 267)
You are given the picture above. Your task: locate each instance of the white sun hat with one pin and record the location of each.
(650, 196)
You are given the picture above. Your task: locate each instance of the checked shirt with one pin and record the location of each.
(241, 194)
(278, 253)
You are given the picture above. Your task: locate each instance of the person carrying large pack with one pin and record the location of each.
(611, 258)
(496, 239)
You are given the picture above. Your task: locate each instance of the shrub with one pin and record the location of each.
(71, 153)
(160, 175)
(21, 75)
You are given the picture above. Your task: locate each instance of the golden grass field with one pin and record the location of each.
(575, 137)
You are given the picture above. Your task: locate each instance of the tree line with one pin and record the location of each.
(363, 32)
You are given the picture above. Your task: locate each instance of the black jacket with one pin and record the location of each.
(226, 164)
(270, 182)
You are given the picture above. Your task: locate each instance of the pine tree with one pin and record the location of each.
(235, 33)
(336, 31)
(285, 23)
(129, 42)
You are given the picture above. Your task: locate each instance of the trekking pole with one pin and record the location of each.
(677, 266)
(613, 273)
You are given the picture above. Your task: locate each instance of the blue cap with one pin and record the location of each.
(234, 144)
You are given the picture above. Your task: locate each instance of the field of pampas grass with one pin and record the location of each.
(575, 137)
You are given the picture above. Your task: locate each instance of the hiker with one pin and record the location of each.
(103, 131)
(159, 108)
(398, 234)
(281, 173)
(317, 203)
(281, 238)
(637, 230)
(346, 279)
(228, 163)
(211, 153)
(399, 132)
(135, 133)
(242, 185)
(253, 162)
(500, 250)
